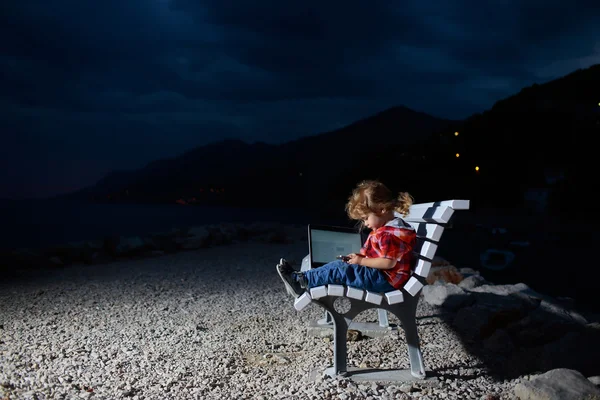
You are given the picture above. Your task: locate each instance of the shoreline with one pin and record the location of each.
(462, 246)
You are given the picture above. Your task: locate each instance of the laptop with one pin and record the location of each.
(326, 242)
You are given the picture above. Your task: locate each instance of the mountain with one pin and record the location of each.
(532, 147)
(537, 142)
(211, 166)
(259, 174)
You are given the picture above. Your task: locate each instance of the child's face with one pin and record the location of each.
(375, 221)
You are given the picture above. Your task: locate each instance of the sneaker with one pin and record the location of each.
(286, 273)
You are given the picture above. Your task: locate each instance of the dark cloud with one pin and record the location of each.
(114, 84)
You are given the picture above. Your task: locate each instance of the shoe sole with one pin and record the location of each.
(288, 287)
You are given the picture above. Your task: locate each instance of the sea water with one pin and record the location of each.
(38, 224)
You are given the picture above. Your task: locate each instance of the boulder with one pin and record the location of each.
(472, 281)
(449, 296)
(445, 273)
(558, 384)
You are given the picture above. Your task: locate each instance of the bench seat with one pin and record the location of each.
(393, 297)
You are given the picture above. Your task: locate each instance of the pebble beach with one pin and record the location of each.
(213, 323)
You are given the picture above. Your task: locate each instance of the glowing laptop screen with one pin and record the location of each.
(327, 242)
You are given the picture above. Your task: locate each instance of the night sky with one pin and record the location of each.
(90, 86)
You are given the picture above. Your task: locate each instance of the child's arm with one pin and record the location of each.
(377, 263)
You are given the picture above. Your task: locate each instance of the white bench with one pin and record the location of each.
(429, 220)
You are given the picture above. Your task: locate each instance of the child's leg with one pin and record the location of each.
(341, 273)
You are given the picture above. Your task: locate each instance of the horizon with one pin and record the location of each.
(174, 75)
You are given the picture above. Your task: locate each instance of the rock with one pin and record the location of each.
(530, 303)
(472, 281)
(439, 261)
(277, 237)
(155, 253)
(468, 271)
(130, 246)
(77, 252)
(197, 237)
(562, 312)
(449, 296)
(499, 342)
(502, 290)
(470, 321)
(446, 273)
(530, 332)
(110, 244)
(27, 258)
(500, 302)
(219, 235)
(566, 352)
(558, 384)
(165, 242)
(595, 380)
(95, 244)
(353, 335)
(100, 257)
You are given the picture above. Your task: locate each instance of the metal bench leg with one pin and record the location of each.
(383, 318)
(340, 351)
(327, 320)
(417, 369)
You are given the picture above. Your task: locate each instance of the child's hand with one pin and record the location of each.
(354, 258)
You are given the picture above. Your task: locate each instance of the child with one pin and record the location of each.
(383, 263)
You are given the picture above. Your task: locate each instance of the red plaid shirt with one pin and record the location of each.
(393, 242)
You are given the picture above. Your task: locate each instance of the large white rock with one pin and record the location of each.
(558, 384)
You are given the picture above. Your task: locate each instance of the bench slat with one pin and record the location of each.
(374, 298)
(455, 204)
(335, 290)
(355, 293)
(318, 292)
(425, 249)
(430, 214)
(422, 268)
(394, 297)
(432, 232)
(413, 286)
(301, 302)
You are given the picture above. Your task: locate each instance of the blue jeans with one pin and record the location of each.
(341, 273)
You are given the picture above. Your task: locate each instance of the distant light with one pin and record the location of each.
(455, 133)
(300, 173)
(476, 168)
(457, 155)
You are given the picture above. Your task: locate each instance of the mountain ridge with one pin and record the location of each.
(512, 143)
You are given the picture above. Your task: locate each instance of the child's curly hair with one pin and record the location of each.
(373, 196)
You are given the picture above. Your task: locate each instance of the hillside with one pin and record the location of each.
(533, 149)
(236, 173)
(537, 141)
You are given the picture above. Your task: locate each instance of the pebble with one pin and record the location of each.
(187, 325)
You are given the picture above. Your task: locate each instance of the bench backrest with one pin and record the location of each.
(430, 220)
